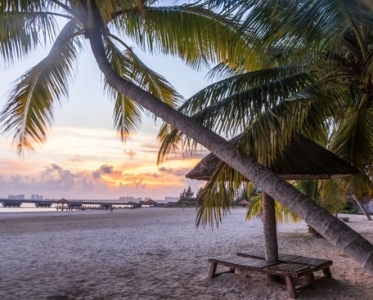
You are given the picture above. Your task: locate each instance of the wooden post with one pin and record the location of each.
(269, 228)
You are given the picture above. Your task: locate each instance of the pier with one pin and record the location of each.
(64, 204)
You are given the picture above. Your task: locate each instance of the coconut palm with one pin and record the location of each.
(30, 22)
(318, 83)
(29, 110)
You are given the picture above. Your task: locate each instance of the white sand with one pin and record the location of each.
(155, 253)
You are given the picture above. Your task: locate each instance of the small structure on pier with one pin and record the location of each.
(62, 204)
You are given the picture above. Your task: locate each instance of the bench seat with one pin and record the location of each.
(316, 263)
(289, 271)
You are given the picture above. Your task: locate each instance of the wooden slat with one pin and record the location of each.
(242, 261)
(285, 269)
(288, 258)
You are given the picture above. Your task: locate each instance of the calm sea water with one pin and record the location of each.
(29, 207)
(26, 207)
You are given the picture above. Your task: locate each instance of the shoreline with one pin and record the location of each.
(156, 253)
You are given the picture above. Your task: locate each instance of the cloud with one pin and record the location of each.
(105, 170)
(76, 158)
(151, 146)
(105, 182)
(53, 180)
(179, 172)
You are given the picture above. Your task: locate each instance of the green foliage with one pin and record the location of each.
(255, 207)
(193, 32)
(316, 80)
(327, 193)
(185, 196)
(348, 208)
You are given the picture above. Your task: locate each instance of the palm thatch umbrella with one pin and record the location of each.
(301, 159)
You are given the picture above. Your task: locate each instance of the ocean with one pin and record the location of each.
(26, 207)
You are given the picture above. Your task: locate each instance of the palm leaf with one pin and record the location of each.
(128, 65)
(20, 33)
(127, 116)
(306, 25)
(29, 110)
(332, 195)
(201, 36)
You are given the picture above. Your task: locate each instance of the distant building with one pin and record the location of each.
(171, 199)
(130, 199)
(16, 197)
(36, 197)
(150, 202)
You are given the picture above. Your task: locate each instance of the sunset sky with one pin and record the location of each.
(83, 157)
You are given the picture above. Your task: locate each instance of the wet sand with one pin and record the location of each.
(155, 253)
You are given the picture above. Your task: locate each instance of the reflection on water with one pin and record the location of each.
(26, 207)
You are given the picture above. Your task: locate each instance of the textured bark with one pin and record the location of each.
(269, 228)
(335, 231)
(362, 208)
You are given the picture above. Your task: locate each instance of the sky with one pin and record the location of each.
(83, 157)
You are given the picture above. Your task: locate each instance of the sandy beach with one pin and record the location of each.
(155, 253)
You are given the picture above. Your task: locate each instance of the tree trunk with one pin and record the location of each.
(362, 208)
(269, 228)
(335, 231)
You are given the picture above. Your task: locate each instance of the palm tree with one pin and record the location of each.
(319, 77)
(90, 19)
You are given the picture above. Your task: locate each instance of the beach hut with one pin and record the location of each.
(63, 203)
(301, 159)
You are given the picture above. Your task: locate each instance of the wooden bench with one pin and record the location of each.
(315, 263)
(288, 270)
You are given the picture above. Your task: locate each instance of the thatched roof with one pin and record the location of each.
(63, 200)
(150, 202)
(301, 159)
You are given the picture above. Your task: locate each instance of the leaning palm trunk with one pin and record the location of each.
(335, 231)
(362, 208)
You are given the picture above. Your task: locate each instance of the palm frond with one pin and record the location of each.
(29, 110)
(20, 32)
(200, 37)
(223, 71)
(309, 26)
(353, 138)
(170, 139)
(243, 82)
(255, 208)
(129, 66)
(267, 133)
(231, 112)
(127, 116)
(332, 195)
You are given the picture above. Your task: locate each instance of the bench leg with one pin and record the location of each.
(213, 266)
(311, 281)
(327, 272)
(290, 286)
